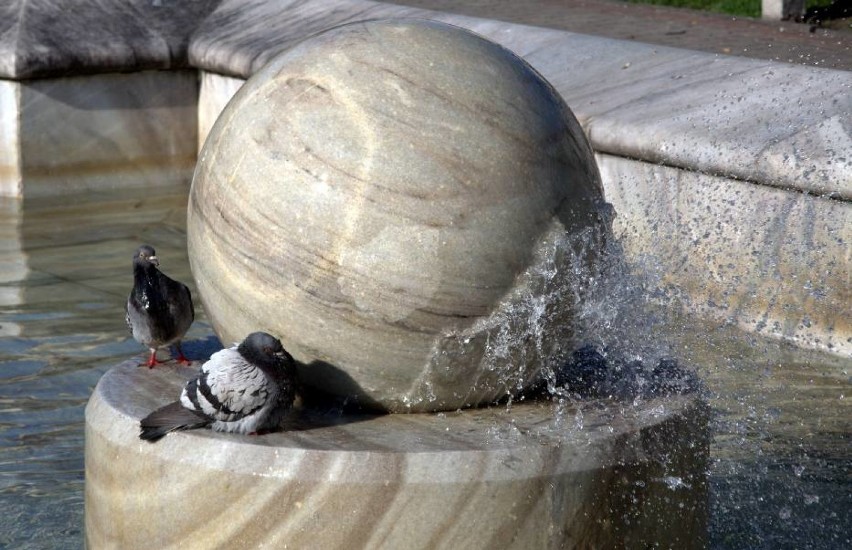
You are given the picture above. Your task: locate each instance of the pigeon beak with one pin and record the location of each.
(154, 260)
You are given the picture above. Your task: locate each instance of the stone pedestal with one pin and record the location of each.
(533, 475)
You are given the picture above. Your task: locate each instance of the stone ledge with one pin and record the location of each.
(764, 122)
(721, 115)
(40, 38)
(536, 475)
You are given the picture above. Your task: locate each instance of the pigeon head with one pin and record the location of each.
(264, 350)
(146, 254)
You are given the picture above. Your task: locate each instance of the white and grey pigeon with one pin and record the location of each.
(159, 309)
(245, 389)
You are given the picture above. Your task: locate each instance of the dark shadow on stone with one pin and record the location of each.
(314, 415)
(321, 374)
(201, 349)
(321, 409)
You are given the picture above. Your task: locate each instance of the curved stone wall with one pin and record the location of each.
(533, 475)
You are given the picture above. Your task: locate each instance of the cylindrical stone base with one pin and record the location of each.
(533, 475)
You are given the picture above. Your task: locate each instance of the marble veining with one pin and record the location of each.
(483, 478)
(399, 201)
(765, 122)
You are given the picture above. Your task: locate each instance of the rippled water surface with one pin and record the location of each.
(64, 276)
(780, 470)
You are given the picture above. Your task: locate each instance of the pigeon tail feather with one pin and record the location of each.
(173, 417)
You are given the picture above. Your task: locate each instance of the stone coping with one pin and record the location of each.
(40, 38)
(765, 122)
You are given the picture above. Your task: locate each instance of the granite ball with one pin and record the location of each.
(411, 208)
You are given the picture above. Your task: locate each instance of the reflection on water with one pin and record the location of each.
(779, 474)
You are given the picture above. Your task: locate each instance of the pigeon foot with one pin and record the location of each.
(181, 358)
(152, 361)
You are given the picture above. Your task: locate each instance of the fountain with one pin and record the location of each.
(730, 184)
(416, 214)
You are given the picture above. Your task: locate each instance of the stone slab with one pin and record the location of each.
(761, 121)
(774, 262)
(215, 91)
(51, 38)
(533, 475)
(97, 132)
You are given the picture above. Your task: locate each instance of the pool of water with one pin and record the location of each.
(780, 469)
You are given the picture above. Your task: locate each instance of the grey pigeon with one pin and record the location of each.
(245, 389)
(159, 309)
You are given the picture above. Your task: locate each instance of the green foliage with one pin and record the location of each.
(817, 3)
(742, 8)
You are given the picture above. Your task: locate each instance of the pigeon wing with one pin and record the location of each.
(228, 389)
(179, 300)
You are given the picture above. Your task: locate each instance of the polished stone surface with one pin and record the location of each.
(535, 475)
(51, 38)
(400, 203)
(65, 135)
(765, 122)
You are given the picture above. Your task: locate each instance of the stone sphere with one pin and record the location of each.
(407, 206)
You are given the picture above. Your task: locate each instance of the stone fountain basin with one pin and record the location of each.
(536, 474)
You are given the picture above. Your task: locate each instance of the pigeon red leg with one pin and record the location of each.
(152, 361)
(181, 358)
